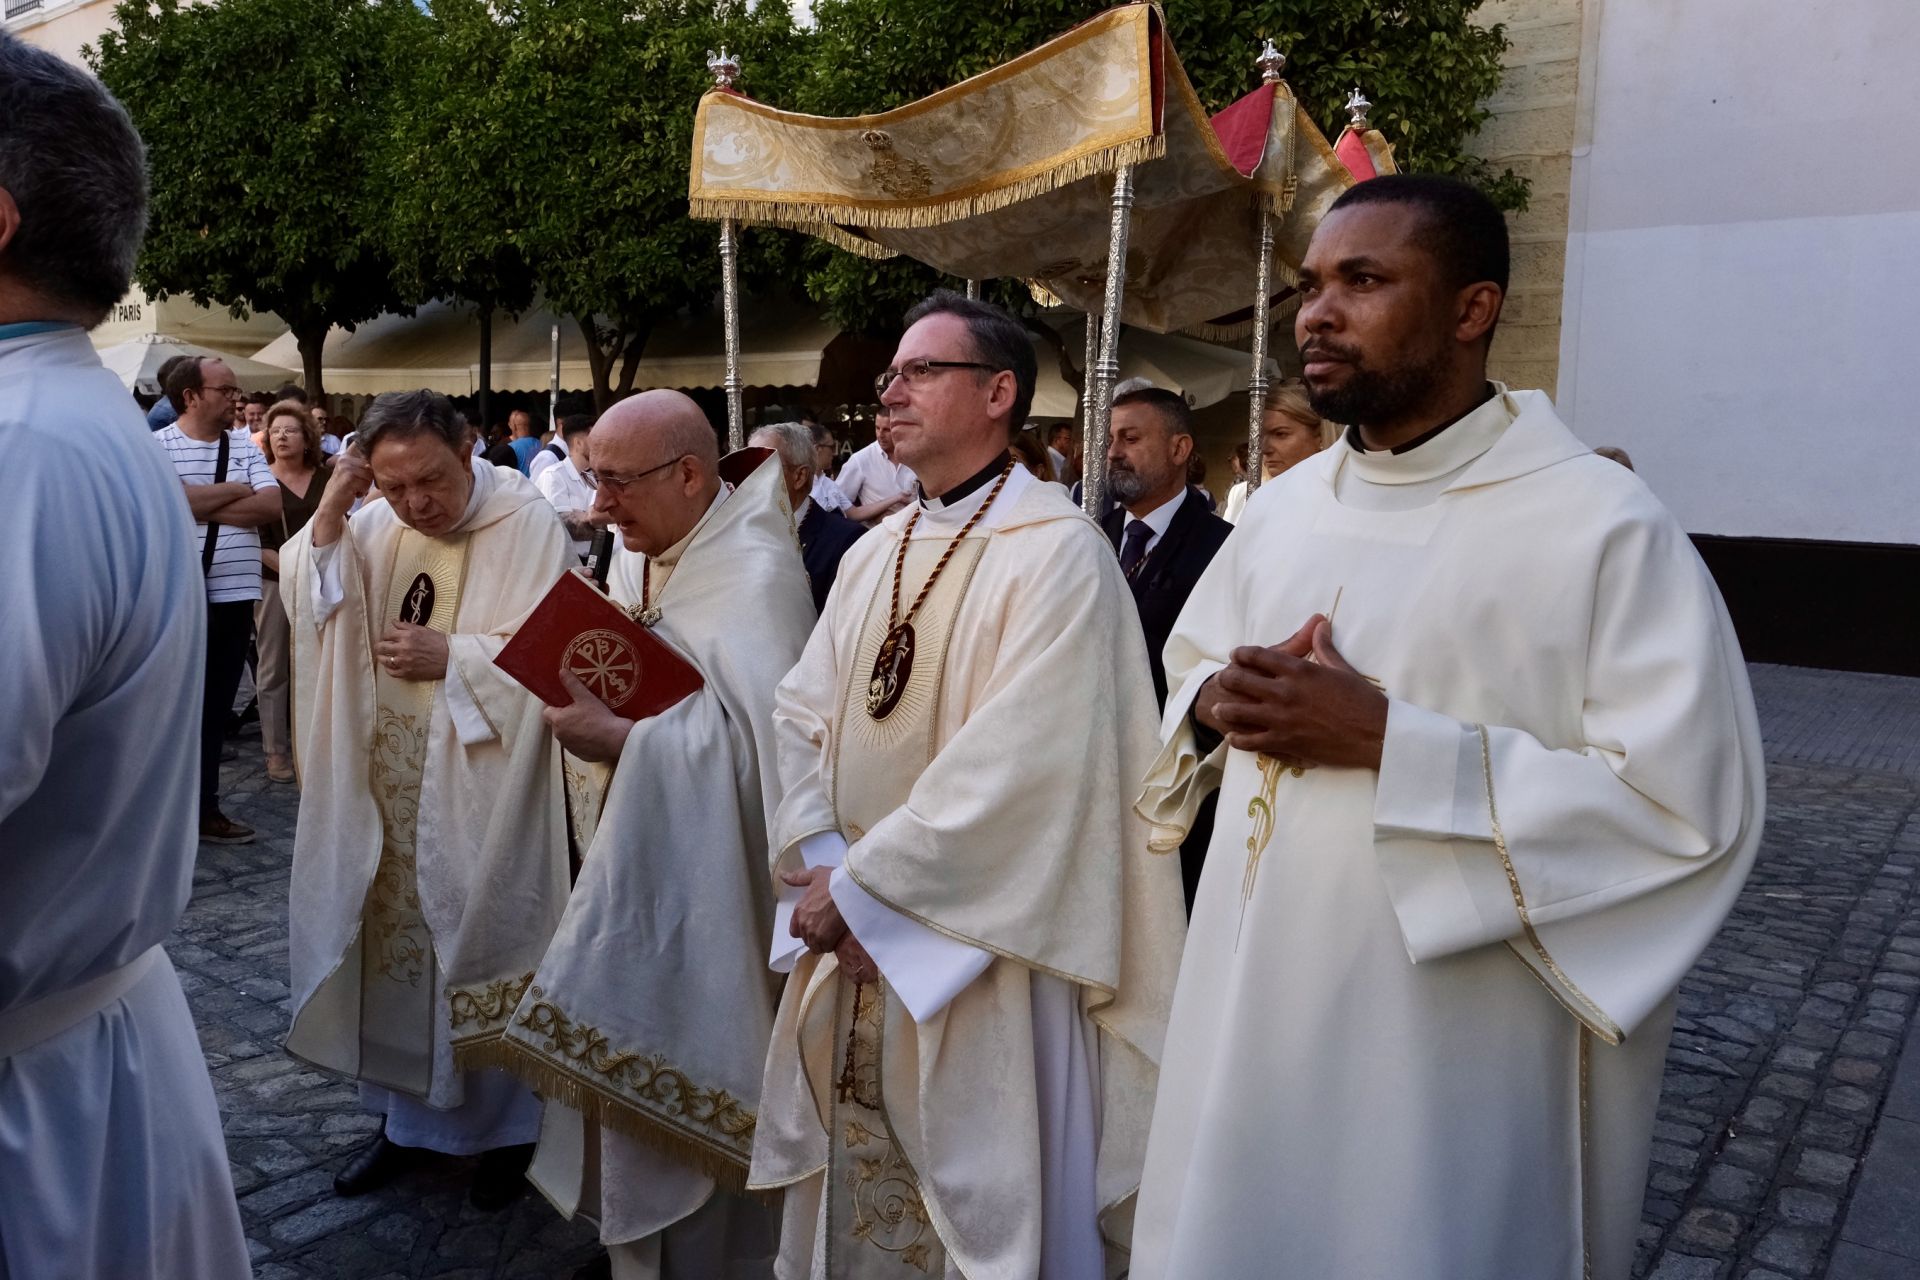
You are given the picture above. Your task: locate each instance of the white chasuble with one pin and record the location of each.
(430, 859)
(979, 1110)
(1423, 1012)
(646, 1025)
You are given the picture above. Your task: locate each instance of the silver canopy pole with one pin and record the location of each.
(1257, 380)
(973, 289)
(1271, 63)
(553, 384)
(1106, 371)
(730, 307)
(725, 70)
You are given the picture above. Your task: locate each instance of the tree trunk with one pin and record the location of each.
(312, 338)
(630, 358)
(486, 366)
(598, 362)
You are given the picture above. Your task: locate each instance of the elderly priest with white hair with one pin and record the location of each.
(429, 866)
(960, 1073)
(111, 1156)
(646, 1026)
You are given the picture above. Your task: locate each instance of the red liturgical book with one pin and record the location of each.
(579, 627)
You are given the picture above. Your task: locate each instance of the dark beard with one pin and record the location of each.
(1379, 395)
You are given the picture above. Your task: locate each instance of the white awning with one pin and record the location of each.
(439, 347)
(137, 364)
(1204, 372)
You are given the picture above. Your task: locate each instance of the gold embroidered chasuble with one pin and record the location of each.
(430, 857)
(646, 1025)
(909, 1147)
(1428, 1007)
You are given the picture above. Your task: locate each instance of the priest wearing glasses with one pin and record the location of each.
(981, 946)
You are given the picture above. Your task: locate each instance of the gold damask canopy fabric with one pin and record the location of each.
(1010, 173)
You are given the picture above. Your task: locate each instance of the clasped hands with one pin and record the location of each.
(817, 922)
(1298, 701)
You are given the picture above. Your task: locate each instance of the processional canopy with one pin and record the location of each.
(1010, 173)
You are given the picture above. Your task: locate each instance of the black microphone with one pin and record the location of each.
(600, 557)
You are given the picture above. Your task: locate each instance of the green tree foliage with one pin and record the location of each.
(569, 124)
(1424, 63)
(449, 162)
(260, 118)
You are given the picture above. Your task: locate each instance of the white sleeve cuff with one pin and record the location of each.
(470, 723)
(821, 849)
(328, 589)
(1432, 782)
(925, 967)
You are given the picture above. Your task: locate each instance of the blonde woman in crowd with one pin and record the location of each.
(1294, 433)
(293, 455)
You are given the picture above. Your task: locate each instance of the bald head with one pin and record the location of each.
(667, 420)
(658, 464)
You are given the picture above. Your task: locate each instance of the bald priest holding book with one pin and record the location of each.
(651, 1099)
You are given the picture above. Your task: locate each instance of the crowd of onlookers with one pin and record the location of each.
(257, 464)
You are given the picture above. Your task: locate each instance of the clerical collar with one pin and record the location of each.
(28, 328)
(1357, 443)
(973, 483)
(1446, 451)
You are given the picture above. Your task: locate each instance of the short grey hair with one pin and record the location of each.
(398, 414)
(74, 164)
(793, 442)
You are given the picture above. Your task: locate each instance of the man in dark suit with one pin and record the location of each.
(1165, 534)
(824, 535)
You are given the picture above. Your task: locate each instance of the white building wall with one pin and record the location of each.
(1742, 301)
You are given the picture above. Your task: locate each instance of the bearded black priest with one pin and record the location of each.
(646, 1027)
(429, 866)
(960, 1071)
(1490, 781)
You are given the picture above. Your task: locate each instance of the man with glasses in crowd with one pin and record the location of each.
(231, 492)
(982, 949)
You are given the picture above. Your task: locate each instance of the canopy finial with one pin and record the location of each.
(1357, 108)
(1271, 63)
(724, 66)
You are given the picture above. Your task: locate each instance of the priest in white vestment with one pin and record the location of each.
(430, 865)
(965, 1051)
(1490, 781)
(647, 1023)
(111, 1156)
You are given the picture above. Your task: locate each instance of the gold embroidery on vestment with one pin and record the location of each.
(489, 1006)
(647, 1079)
(888, 1212)
(396, 936)
(1590, 1014)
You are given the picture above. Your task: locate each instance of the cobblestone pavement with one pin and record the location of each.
(1786, 1044)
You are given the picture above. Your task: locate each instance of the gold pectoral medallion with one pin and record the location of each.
(398, 977)
(892, 668)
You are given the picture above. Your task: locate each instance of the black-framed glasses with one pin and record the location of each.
(914, 372)
(229, 390)
(618, 483)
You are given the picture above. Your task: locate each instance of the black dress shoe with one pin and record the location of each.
(601, 1268)
(501, 1177)
(375, 1165)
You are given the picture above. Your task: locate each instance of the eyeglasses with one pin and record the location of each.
(620, 484)
(915, 372)
(228, 390)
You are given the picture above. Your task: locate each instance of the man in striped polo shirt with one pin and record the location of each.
(231, 494)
